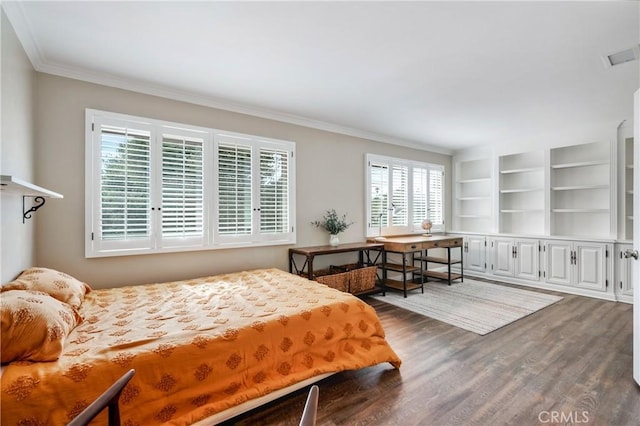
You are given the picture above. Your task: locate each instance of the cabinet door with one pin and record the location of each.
(627, 284)
(474, 255)
(624, 271)
(503, 257)
(527, 259)
(558, 262)
(591, 268)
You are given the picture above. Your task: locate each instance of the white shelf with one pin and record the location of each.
(474, 180)
(511, 191)
(629, 217)
(579, 187)
(579, 164)
(629, 166)
(473, 194)
(13, 185)
(580, 211)
(473, 198)
(521, 189)
(524, 170)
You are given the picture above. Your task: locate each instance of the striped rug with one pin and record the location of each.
(475, 306)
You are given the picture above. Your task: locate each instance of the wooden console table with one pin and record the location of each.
(309, 253)
(406, 245)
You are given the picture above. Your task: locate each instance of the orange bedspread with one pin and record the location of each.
(199, 347)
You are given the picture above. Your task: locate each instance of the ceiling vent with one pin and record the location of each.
(617, 58)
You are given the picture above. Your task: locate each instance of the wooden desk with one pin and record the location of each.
(310, 253)
(419, 245)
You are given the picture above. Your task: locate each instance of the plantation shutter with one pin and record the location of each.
(400, 195)
(235, 192)
(154, 186)
(274, 191)
(436, 198)
(419, 211)
(123, 185)
(378, 195)
(183, 202)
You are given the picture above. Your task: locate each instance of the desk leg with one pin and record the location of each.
(449, 264)
(310, 268)
(461, 265)
(404, 274)
(422, 269)
(384, 272)
(290, 263)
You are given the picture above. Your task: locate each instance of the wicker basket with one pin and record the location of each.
(362, 279)
(351, 279)
(338, 281)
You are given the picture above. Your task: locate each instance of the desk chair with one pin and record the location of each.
(310, 408)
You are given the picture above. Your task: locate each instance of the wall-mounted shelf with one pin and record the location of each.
(13, 185)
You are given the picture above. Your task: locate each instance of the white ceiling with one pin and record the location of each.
(440, 74)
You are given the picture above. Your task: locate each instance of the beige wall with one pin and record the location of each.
(330, 173)
(16, 151)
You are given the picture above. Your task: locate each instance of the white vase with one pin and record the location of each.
(334, 240)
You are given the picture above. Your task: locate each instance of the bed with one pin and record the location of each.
(200, 348)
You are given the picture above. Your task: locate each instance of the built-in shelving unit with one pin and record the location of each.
(581, 190)
(473, 195)
(521, 187)
(14, 186)
(628, 189)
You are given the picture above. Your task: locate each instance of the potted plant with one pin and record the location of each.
(333, 224)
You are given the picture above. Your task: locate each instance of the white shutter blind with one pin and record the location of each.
(182, 189)
(419, 212)
(379, 194)
(274, 191)
(234, 189)
(436, 197)
(124, 184)
(159, 187)
(400, 195)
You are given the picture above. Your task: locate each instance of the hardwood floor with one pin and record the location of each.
(570, 363)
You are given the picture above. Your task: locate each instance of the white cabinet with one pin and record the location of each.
(518, 258)
(582, 265)
(624, 275)
(558, 262)
(474, 249)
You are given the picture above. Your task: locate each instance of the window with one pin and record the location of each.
(401, 194)
(153, 186)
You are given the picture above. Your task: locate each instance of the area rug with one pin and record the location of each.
(475, 306)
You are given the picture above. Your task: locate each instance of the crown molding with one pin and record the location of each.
(22, 27)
